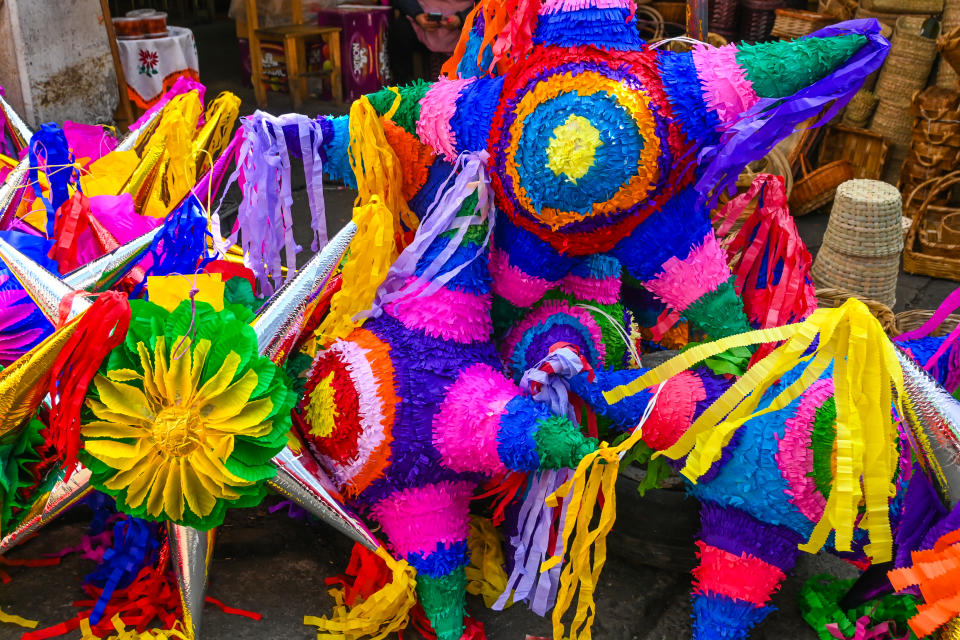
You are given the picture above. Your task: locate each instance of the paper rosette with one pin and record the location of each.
(184, 417)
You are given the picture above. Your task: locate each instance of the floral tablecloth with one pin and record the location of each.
(152, 65)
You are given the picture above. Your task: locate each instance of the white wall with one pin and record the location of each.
(55, 61)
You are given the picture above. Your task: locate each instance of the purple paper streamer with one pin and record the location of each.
(264, 217)
(773, 119)
(530, 545)
(554, 387)
(469, 175)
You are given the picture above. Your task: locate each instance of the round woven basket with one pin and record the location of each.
(816, 188)
(860, 108)
(866, 277)
(757, 18)
(865, 219)
(910, 320)
(723, 17)
(831, 298)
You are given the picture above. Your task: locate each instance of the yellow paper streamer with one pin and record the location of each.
(371, 253)
(596, 472)
(9, 618)
(175, 131)
(485, 575)
(170, 291)
(176, 633)
(383, 613)
(865, 373)
(375, 164)
(221, 115)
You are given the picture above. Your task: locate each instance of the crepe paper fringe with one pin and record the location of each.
(466, 427)
(529, 341)
(770, 262)
(863, 359)
(98, 331)
(264, 221)
(370, 255)
(382, 612)
(349, 405)
(450, 244)
(937, 573)
(173, 140)
(717, 617)
(376, 166)
(877, 619)
(726, 89)
(607, 27)
(603, 291)
(417, 519)
(795, 457)
(16, 335)
(513, 285)
(183, 84)
(450, 315)
(437, 109)
(719, 313)
(669, 420)
(485, 575)
(683, 281)
(685, 94)
(743, 577)
(506, 30)
(771, 119)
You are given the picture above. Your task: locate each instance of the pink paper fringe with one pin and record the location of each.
(794, 456)
(545, 311)
(683, 282)
(604, 291)
(726, 88)
(448, 314)
(513, 285)
(465, 430)
(416, 520)
(744, 577)
(437, 108)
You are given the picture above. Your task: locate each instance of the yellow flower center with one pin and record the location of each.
(177, 430)
(572, 148)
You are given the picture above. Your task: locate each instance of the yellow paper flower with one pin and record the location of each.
(185, 426)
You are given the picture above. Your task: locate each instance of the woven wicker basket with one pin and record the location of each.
(864, 150)
(837, 9)
(757, 18)
(831, 298)
(903, 6)
(925, 252)
(816, 188)
(874, 278)
(887, 19)
(795, 23)
(860, 108)
(865, 219)
(723, 17)
(916, 318)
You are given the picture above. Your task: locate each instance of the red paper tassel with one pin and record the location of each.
(72, 219)
(365, 575)
(101, 328)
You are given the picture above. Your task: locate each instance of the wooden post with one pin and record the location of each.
(697, 12)
(117, 64)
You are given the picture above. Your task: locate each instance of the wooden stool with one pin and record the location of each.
(293, 36)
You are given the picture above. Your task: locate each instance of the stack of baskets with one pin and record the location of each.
(723, 18)
(946, 74)
(757, 18)
(860, 108)
(935, 141)
(861, 247)
(905, 72)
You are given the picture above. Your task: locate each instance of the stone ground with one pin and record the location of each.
(276, 566)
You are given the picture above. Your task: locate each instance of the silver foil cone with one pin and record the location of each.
(107, 270)
(300, 479)
(190, 554)
(935, 414)
(63, 495)
(19, 125)
(47, 290)
(129, 141)
(8, 191)
(282, 314)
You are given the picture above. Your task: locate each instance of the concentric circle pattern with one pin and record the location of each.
(583, 147)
